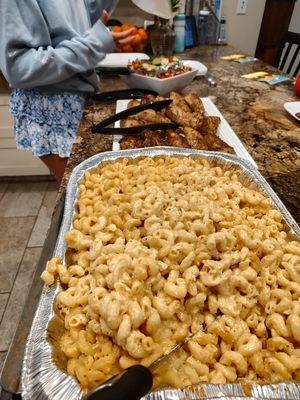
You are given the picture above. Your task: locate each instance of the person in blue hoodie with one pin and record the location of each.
(48, 52)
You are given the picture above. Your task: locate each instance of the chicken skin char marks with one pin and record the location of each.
(177, 140)
(131, 142)
(194, 138)
(152, 139)
(216, 144)
(146, 138)
(210, 125)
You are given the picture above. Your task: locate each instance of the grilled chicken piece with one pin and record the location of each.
(216, 144)
(195, 103)
(131, 142)
(210, 125)
(150, 98)
(177, 115)
(178, 100)
(227, 149)
(133, 103)
(176, 140)
(180, 112)
(152, 138)
(194, 138)
(151, 116)
(130, 122)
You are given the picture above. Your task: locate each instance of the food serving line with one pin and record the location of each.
(255, 113)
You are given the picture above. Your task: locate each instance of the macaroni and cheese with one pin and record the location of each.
(163, 247)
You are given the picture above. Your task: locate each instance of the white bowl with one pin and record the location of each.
(162, 86)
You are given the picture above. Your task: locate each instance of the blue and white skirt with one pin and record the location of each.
(46, 123)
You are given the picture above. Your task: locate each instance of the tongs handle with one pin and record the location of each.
(164, 126)
(156, 105)
(112, 71)
(132, 384)
(123, 94)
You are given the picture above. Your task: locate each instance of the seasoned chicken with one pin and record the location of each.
(210, 125)
(151, 116)
(176, 140)
(130, 122)
(180, 113)
(152, 138)
(217, 144)
(131, 142)
(178, 100)
(195, 103)
(150, 98)
(196, 130)
(133, 103)
(227, 149)
(194, 138)
(177, 115)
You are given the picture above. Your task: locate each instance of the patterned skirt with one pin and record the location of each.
(46, 123)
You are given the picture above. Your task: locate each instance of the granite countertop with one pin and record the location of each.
(253, 109)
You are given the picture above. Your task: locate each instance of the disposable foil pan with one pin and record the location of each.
(41, 379)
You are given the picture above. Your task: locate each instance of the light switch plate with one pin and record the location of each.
(241, 6)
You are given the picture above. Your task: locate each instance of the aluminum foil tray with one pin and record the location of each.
(41, 379)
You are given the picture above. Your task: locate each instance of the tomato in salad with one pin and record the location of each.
(159, 67)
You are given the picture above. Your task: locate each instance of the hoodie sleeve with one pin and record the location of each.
(26, 61)
(96, 8)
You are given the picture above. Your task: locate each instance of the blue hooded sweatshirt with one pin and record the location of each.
(53, 45)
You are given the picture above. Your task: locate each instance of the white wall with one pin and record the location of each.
(243, 30)
(295, 21)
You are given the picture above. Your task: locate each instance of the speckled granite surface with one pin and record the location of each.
(253, 109)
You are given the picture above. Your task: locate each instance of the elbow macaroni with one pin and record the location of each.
(161, 246)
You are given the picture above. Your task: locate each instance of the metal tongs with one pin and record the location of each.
(123, 94)
(103, 128)
(133, 383)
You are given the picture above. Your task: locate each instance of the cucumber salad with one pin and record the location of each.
(159, 67)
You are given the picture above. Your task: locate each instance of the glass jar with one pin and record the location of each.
(162, 38)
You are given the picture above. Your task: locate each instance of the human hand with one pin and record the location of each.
(120, 38)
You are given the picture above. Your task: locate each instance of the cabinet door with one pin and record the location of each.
(274, 26)
(14, 162)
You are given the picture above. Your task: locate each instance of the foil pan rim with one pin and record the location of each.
(41, 379)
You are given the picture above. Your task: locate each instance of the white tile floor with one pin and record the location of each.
(25, 215)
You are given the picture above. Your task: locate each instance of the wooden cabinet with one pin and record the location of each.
(14, 162)
(274, 26)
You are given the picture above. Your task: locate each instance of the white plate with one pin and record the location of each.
(225, 132)
(202, 69)
(121, 59)
(293, 108)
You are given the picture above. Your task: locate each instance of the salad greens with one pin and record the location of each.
(159, 67)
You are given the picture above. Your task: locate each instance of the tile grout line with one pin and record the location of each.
(19, 216)
(9, 296)
(36, 247)
(20, 263)
(33, 247)
(2, 195)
